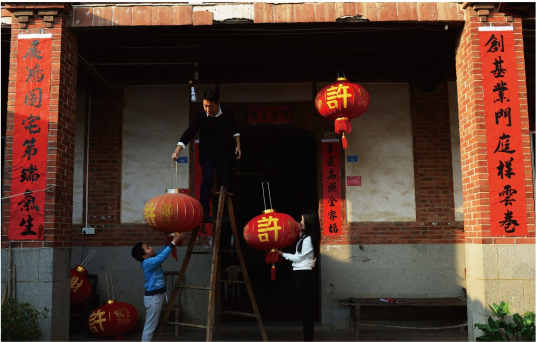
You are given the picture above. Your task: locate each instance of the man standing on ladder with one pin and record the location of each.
(213, 124)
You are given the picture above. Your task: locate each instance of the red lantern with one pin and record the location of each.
(80, 286)
(271, 230)
(342, 101)
(112, 319)
(173, 212)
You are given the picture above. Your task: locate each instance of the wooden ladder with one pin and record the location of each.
(214, 295)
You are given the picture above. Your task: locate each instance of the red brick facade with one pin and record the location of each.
(473, 134)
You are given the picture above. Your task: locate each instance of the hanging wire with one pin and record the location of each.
(108, 292)
(263, 198)
(269, 196)
(112, 283)
(84, 263)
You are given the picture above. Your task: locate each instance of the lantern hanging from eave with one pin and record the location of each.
(271, 230)
(112, 319)
(172, 213)
(80, 286)
(342, 101)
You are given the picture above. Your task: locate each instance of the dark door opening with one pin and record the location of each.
(287, 158)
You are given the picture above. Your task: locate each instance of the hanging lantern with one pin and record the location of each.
(173, 213)
(80, 286)
(271, 230)
(342, 101)
(112, 319)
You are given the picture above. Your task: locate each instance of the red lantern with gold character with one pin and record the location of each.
(172, 213)
(342, 101)
(113, 318)
(80, 286)
(271, 230)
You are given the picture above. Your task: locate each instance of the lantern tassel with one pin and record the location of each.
(271, 257)
(344, 142)
(343, 125)
(169, 238)
(273, 272)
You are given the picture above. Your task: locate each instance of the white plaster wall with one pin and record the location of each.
(153, 121)
(79, 151)
(382, 138)
(266, 92)
(456, 151)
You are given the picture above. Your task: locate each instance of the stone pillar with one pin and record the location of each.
(43, 266)
(497, 268)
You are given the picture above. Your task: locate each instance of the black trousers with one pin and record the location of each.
(209, 162)
(306, 310)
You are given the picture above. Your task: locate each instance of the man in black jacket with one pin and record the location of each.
(213, 124)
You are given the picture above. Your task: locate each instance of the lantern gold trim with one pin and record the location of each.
(111, 301)
(268, 211)
(342, 118)
(172, 191)
(341, 79)
(81, 270)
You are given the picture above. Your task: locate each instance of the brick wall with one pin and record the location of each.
(60, 161)
(433, 176)
(472, 129)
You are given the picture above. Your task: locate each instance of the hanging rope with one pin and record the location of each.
(263, 198)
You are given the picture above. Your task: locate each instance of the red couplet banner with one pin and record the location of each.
(30, 138)
(331, 187)
(503, 132)
(205, 229)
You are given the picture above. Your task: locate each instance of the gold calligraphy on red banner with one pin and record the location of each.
(503, 132)
(331, 187)
(30, 137)
(269, 114)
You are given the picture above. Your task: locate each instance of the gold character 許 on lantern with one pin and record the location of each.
(334, 93)
(264, 226)
(96, 318)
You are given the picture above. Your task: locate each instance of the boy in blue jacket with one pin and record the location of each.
(155, 284)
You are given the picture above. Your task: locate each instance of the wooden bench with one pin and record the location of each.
(357, 303)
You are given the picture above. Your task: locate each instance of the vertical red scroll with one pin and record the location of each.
(30, 137)
(503, 132)
(205, 229)
(331, 187)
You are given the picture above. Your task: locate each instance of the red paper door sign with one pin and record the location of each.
(508, 211)
(30, 137)
(353, 181)
(205, 229)
(331, 187)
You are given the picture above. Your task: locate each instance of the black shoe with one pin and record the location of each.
(207, 219)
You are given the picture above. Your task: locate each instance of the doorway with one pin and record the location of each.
(286, 157)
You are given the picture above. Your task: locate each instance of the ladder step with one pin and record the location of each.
(228, 194)
(188, 325)
(238, 313)
(232, 281)
(201, 252)
(195, 287)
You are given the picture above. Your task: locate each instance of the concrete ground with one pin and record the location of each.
(294, 333)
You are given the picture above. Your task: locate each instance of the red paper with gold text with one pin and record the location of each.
(503, 132)
(331, 187)
(205, 229)
(30, 138)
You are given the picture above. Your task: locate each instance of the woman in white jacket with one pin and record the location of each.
(302, 282)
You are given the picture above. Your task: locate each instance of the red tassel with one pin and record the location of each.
(273, 272)
(169, 238)
(271, 257)
(344, 142)
(343, 125)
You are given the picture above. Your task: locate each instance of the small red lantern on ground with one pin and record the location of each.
(80, 286)
(271, 230)
(173, 212)
(342, 101)
(113, 318)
